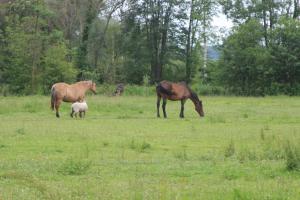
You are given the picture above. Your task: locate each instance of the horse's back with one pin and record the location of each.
(181, 90)
(60, 85)
(59, 90)
(173, 91)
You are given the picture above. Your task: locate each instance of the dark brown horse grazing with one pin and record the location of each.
(69, 93)
(177, 91)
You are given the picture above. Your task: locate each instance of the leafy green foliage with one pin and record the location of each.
(56, 67)
(245, 60)
(37, 55)
(285, 51)
(43, 42)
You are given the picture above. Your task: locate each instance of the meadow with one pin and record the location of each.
(244, 148)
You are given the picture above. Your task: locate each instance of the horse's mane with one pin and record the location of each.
(85, 82)
(193, 94)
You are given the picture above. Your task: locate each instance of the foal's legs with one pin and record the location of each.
(57, 104)
(182, 108)
(157, 105)
(71, 114)
(81, 114)
(164, 107)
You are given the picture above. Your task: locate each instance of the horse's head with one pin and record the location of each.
(93, 87)
(199, 108)
(198, 104)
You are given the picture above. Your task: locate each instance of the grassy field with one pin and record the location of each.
(244, 148)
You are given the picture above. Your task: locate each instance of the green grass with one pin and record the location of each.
(241, 149)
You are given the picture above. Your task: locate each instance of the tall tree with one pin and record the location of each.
(158, 18)
(91, 14)
(189, 42)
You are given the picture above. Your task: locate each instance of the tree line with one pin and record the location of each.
(145, 41)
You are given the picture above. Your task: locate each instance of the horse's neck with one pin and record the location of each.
(84, 87)
(193, 99)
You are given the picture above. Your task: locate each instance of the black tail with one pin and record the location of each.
(53, 98)
(161, 89)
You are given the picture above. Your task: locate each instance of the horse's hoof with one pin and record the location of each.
(57, 115)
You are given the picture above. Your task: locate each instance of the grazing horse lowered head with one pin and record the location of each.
(70, 93)
(175, 92)
(119, 89)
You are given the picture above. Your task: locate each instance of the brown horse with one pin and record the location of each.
(69, 93)
(175, 92)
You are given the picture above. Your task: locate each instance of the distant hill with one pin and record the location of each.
(213, 53)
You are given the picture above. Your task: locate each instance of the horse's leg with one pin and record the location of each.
(80, 114)
(164, 107)
(57, 104)
(182, 108)
(158, 105)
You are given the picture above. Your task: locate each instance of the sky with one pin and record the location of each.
(221, 21)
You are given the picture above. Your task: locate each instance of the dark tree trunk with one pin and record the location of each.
(296, 9)
(189, 46)
(157, 37)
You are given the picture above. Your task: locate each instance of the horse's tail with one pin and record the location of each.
(161, 89)
(53, 98)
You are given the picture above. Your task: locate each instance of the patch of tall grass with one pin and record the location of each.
(292, 156)
(74, 167)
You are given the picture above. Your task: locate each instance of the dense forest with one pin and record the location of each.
(145, 41)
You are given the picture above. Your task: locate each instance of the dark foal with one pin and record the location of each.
(175, 92)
